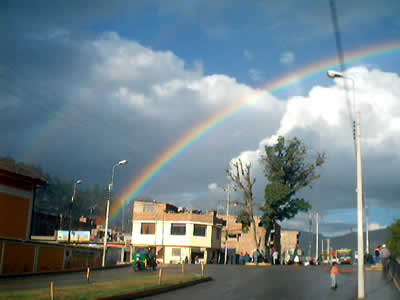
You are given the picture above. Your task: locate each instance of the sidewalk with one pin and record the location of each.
(377, 287)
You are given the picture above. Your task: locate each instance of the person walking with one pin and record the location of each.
(275, 257)
(385, 254)
(255, 256)
(334, 272)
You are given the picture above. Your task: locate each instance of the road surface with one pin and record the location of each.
(239, 282)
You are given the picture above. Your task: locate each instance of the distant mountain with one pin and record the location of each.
(376, 238)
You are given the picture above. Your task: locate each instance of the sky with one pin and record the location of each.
(84, 85)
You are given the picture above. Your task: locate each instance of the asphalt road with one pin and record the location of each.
(282, 282)
(239, 282)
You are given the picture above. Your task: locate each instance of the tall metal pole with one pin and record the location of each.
(317, 233)
(322, 246)
(106, 228)
(360, 192)
(228, 190)
(70, 210)
(360, 210)
(110, 186)
(366, 228)
(329, 250)
(310, 235)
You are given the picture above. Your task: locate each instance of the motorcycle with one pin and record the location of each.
(143, 261)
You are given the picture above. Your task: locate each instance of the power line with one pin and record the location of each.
(340, 54)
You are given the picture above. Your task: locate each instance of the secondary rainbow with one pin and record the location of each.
(191, 136)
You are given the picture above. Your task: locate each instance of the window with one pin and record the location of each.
(178, 229)
(218, 234)
(148, 228)
(149, 207)
(176, 251)
(199, 230)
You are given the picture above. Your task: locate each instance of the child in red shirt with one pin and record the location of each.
(334, 272)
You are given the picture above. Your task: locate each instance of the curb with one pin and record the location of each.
(7, 276)
(259, 264)
(156, 291)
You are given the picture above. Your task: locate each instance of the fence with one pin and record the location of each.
(394, 271)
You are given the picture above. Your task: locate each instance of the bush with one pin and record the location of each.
(394, 241)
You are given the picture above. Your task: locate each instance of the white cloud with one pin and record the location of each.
(247, 54)
(213, 186)
(158, 82)
(256, 75)
(320, 119)
(375, 226)
(287, 58)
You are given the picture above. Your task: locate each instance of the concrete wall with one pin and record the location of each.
(19, 257)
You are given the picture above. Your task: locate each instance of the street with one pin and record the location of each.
(282, 282)
(238, 282)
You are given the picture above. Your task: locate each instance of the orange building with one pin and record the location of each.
(241, 242)
(17, 195)
(18, 254)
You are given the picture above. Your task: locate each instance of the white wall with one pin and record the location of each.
(163, 235)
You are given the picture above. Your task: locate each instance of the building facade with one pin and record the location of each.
(240, 242)
(290, 241)
(19, 254)
(174, 235)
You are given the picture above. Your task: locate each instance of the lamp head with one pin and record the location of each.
(79, 181)
(334, 74)
(123, 162)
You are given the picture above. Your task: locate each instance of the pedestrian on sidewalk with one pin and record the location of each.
(385, 254)
(275, 257)
(334, 272)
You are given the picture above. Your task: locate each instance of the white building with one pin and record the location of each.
(174, 235)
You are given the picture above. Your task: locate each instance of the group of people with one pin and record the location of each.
(382, 254)
(258, 256)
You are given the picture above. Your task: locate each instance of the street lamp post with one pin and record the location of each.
(360, 212)
(317, 238)
(110, 186)
(70, 209)
(228, 189)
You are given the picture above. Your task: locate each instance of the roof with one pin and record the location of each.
(10, 166)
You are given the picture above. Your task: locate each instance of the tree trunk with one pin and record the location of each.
(268, 231)
(253, 227)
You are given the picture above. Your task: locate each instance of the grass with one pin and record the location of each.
(103, 288)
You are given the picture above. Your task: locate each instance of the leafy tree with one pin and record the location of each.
(241, 177)
(244, 218)
(288, 170)
(394, 241)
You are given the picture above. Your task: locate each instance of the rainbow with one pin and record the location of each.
(171, 153)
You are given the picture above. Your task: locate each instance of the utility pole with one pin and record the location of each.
(329, 249)
(110, 186)
(366, 228)
(310, 234)
(360, 217)
(316, 246)
(360, 191)
(322, 246)
(228, 191)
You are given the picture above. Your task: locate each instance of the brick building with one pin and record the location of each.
(242, 242)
